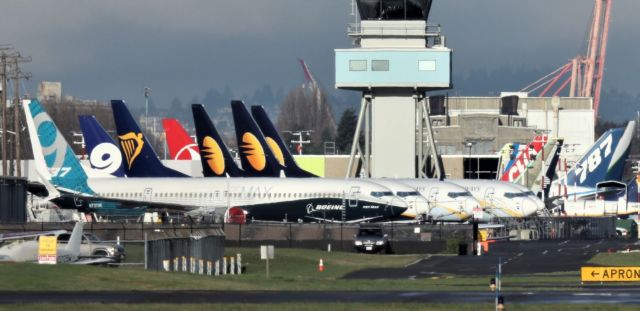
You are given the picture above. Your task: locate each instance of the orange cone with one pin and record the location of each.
(320, 265)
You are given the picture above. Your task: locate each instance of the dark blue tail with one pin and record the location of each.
(140, 158)
(255, 155)
(104, 154)
(277, 145)
(214, 154)
(605, 159)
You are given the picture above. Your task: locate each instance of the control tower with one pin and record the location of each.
(398, 57)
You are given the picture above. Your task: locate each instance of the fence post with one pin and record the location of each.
(146, 250)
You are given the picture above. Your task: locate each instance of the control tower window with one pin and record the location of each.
(394, 9)
(357, 65)
(427, 65)
(380, 65)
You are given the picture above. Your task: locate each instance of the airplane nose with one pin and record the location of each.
(529, 207)
(397, 207)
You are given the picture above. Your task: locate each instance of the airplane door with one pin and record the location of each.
(488, 194)
(353, 196)
(147, 194)
(433, 195)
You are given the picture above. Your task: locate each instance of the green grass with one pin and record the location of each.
(312, 307)
(292, 269)
(616, 259)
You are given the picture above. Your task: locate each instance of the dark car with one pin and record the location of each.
(371, 240)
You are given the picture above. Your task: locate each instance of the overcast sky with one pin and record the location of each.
(112, 49)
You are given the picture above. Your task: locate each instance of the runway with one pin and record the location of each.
(518, 258)
(605, 296)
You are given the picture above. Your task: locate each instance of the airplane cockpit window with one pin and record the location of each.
(403, 194)
(511, 195)
(378, 194)
(454, 195)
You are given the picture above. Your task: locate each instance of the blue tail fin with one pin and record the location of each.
(63, 167)
(140, 158)
(605, 160)
(214, 154)
(255, 155)
(277, 145)
(104, 154)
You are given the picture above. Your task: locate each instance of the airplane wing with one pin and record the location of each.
(29, 234)
(94, 261)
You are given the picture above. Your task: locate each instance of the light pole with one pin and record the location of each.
(147, 93)
(469, 145)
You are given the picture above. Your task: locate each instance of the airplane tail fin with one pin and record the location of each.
(54, 157)
(140, 158)
(605, 159)
(523, 154)
(73, 246)
(255, 155)
(179, 143)
(104, 154)
(277, 145)
(214, 154)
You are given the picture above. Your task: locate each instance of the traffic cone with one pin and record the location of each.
(320, 265)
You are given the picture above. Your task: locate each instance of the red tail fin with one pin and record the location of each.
(181, 145)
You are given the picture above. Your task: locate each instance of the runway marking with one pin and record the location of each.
(545, 252)
(412, 277)
(417, 261)
(562, 243)
(520, 254)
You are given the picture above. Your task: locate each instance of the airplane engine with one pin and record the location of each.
(235, 215)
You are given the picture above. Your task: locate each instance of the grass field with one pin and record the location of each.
(292, 269)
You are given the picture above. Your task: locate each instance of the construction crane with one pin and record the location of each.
(583, 73)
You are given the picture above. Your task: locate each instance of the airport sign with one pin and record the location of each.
(47, 250)
(610, 274)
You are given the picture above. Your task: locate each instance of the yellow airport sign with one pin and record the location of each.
(610, 274)
(47, 249)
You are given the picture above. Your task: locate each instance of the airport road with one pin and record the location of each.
(605, 296)
(518, 258)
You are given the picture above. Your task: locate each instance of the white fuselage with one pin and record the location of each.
(501, 199)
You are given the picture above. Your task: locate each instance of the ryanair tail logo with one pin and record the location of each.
(131, 146)
(213, 154)
(276, 150)
(253, 151)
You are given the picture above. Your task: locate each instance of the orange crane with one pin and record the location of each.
(586, 71)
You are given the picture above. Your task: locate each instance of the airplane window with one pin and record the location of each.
(379, 194)
(403, 194)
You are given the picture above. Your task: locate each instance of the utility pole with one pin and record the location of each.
(17, 74)
(3, 100)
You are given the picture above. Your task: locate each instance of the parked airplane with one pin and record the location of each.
(23, 247)
(603, 162)
(240, 199)
(216, 159)
(439, 204)
(501, 199)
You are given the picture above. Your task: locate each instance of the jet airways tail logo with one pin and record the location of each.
(213, 154)
(276, 150)
(252, 150)
(131, 146)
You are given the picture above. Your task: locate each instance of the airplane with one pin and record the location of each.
(520, 157)
(604, 161)
(23, 247)
(238, 199)
(181, 145)
(502, 199)
(439, 206)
